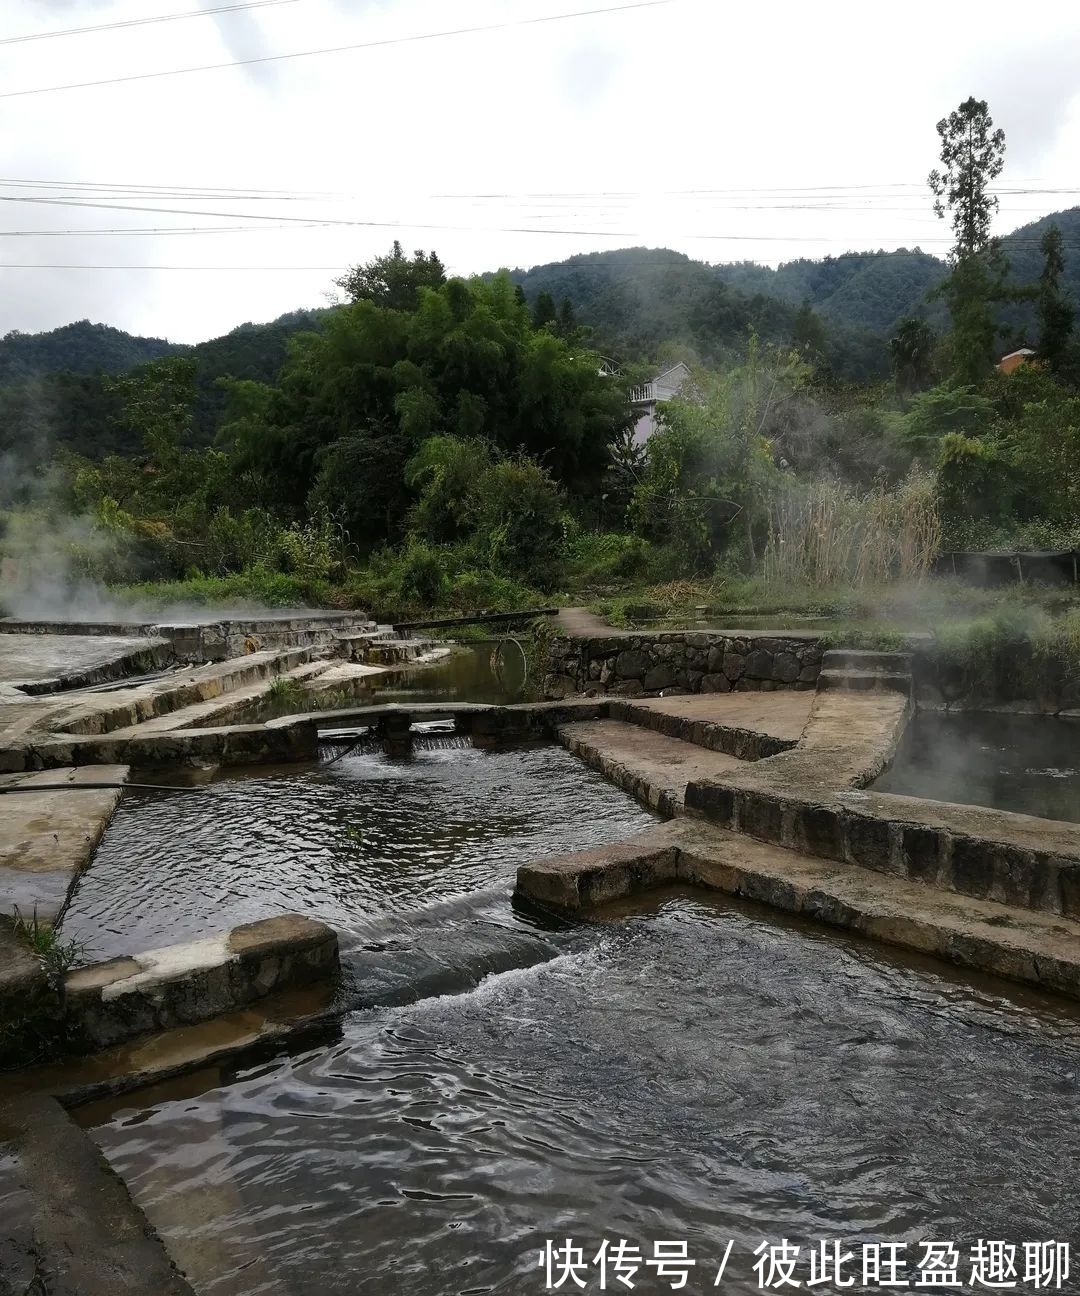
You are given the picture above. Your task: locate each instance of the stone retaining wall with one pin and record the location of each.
(636, 665)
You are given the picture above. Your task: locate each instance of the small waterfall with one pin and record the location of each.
(425, 736)
(440, 741)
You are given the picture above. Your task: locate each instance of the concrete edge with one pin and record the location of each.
(120, 999)
(1021, 946)
(90, 1235)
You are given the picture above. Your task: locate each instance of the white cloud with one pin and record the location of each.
(608, 125)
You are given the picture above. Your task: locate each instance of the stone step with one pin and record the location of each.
(864, 680)
(749, 726)
(1039, 949)
(383, 648)
(648, 765)
(104, 713)
(47, 838)
(844, 659)
(216, 711)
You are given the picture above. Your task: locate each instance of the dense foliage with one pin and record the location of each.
(443, 443)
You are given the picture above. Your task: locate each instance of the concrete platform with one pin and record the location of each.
(25, 657)
(107, 1003)
(777, 715)
(79, 1233)
(654, 768)
(1036, 948)
(47, 838)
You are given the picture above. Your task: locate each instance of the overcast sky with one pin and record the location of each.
(727, 131)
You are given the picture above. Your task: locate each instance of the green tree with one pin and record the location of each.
(544, 312)
(1055, 314)
(911, 349)
(972, 157)
(444, 473)
(710, 466)
(567, 323)
(465, 363)
(360, 482)
(808, 332)
(394, 281)
(519, 522)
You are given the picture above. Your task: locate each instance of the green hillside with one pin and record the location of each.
(79, 348)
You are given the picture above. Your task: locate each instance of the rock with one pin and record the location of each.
(785, 668)
(715, 684)
(733, 665)
(759, 665)
(631, 665)
(660, 677)
(716, 658)
(558, 686)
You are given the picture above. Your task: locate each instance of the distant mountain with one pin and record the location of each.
(51, 390)
(637, 300)
(79, 348)
(860, 289)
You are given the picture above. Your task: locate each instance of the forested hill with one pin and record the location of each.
(639, 297)
(665, 289)
(79, 348)
(51, 389)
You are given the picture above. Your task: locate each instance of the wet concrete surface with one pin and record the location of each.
(77, 1232)
(41, 656)
(47, 837)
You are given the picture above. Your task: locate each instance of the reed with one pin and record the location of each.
(827, 534)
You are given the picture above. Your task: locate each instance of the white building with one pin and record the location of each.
(645, 398)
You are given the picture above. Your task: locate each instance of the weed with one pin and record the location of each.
(55, 955)
(283, 689)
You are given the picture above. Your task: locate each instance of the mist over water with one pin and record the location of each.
(1028, 764)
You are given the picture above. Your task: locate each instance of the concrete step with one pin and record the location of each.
(864, 680)
(382, 648)
(1039, 949)
(858, 659)
(106, 712)
(47, 838)
(749, 726)
(224, 709)
(648, 765)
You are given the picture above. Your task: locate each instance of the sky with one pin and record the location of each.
(727, 131)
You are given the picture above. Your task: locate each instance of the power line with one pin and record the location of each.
(695, 267)
(341, 49)
(141, 22)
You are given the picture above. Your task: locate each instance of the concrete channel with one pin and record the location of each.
(758, 751)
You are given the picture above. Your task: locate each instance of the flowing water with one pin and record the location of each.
(685, 1069)
(357, 843)
(698, 1072)
(1029, 764)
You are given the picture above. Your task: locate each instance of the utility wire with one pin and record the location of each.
(140, 22)
(341, 49)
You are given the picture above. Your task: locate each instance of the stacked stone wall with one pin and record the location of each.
(691, 662)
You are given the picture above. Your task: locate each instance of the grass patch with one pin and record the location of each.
(55, 955)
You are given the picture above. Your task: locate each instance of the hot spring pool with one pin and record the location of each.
(1029, 764)
(698, 1072)
(361, 844)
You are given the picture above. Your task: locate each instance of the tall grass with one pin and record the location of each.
(826, 534)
